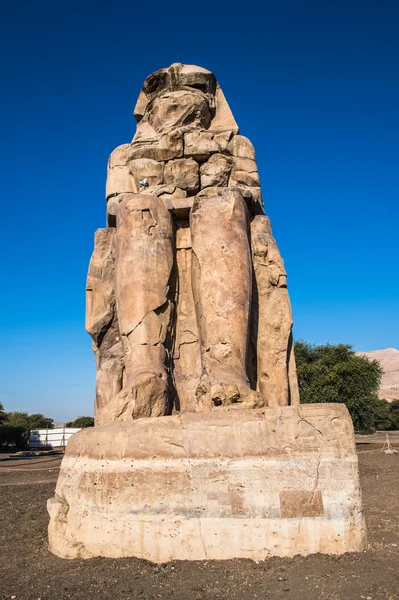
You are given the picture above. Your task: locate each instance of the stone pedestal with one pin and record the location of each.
(227, 484)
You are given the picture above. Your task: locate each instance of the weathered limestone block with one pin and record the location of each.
(100, 295)
(112, 207)
(252, 196)
(169, 190)
(164, 190)
(144, 260)
(244, 172)
(271, 327)
(182, 96)
(193, 75)
(215, 172)
(179, 108)
(177, 205)
(222, 323)
(241, 147)
(256, 193)
(244, 178)
(175, 199)
(183, 173)
(245, 164)
(198, 77)
(200, 145)
(109, 373)
(188, 309)
(163, 147)
(119, 179)
(102, 322)
(222, 139)
(229, 484)
(147, 173)
(223, 119)
(186, 353)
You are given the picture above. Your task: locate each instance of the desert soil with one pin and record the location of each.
(29, 572)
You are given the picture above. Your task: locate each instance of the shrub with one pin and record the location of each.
(334, 373)
(81, 422)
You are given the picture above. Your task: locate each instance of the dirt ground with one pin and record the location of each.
(29, 572)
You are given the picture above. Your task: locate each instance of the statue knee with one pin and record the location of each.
(220, 206)
(144, 211)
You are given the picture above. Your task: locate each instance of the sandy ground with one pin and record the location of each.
(29, 572)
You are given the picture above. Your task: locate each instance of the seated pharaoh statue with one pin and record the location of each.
(187, 300)
(188, 310)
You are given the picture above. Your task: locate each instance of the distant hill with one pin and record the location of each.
(389, 361)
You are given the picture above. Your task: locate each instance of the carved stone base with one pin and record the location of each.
(221, 485)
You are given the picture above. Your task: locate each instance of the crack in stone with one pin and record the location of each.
(311, 425)
(127, 334)
(202, 537)
(316, 482)
(189, 471)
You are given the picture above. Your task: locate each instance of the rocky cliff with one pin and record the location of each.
(389, 361)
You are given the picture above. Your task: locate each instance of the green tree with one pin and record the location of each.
(17, 425)
(11, 436)
(334, 373)
(383, 418)
(394, 410)
(2, 414)
(39, 421)
(81, 422)
(23, 419)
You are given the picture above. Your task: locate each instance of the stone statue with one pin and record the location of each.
(187, 300)
(188, 309)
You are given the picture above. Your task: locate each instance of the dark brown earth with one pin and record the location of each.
(29, 572)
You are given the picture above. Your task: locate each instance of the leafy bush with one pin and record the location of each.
(15, 427)
(394, 410)
(81, 422)
(334, 373)
(12, 436)
(383, 417)
(2, 414)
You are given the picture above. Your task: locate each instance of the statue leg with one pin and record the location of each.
(109, 374)
(102, 323)
(143, 266)
(222, 279)
(272, 319)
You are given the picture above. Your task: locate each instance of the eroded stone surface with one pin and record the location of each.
(234, 483)
(183, 173)
(147, 173)
(144, 307)
(188, 160)
(271, 324)
(222, 323)
(241, 147)
(119, 179)
(188, 310)
(102, 322)
(200, 145)
(215, 172)
(186, 353)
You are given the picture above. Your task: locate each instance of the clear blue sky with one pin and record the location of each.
(314, 85)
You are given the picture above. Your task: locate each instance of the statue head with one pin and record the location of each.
(183, 95)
